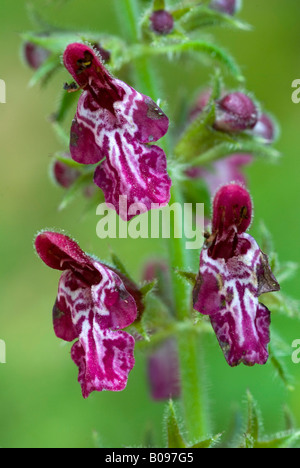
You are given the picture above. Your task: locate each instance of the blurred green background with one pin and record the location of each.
(40, 400)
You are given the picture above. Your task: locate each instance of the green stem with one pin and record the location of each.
(193, 397)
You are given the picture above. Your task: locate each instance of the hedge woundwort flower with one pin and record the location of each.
(92, 306)
(234, 272)
(113, 126)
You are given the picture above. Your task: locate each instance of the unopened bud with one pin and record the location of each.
(235, 113)
(162, 22)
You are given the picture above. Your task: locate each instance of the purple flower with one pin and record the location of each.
(163, 371)
(235, 113)
(225, 6)
(92, 306)
(222, 172)
(234, 272)
(113, 126)
(162, 22)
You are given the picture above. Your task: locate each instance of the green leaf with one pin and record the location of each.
(45, 71)
(174, 437)
(195, 47)
(147, 288)
(66, 102)
(189, 276)
(208, 443)
(277, 362)
(201, 16)
(286, 439)
(253, 424)
(243, 146)
(68, 161)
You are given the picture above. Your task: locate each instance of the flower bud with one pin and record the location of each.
(162, 22)
(35, 55)
(232, 207)
(64, 175)
(230, 7)
(265, 128)
(235, 113)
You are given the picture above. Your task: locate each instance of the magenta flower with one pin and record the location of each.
(92, 307)
(113, 126)
(234, 272)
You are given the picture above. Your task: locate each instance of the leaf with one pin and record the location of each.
(286, 439)
(45, 71)
(66, 102)
(189, 276)
(147, 288)
(201, 16)
(189, 46)
(208, 443)
(119, 265)
(68, 161)
(174, 437)
(226, 148)
(279, 366)
(253, 423)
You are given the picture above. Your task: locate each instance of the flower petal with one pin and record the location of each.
(113, 304)
(60, 252)
(138, 174)
(104, 358)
